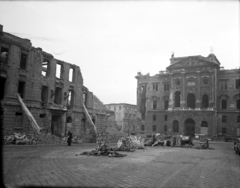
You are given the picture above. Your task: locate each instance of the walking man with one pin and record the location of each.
(69, 140)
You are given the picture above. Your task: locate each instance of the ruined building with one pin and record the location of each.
(52, 90)
(125, 117)
(193, 96)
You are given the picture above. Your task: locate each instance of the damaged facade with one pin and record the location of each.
(52, 90)
(193, 96)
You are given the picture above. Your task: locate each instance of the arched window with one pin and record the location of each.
(175, 126)
(191, 100)
(204, 128)
(224, 104)
(205, 101)
(165, 104)
(69, 119)
(177, 99)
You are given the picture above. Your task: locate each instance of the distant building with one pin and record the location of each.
(125, 117)
(193, 96)
(52, 90)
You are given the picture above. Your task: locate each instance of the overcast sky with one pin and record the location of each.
(112, 41)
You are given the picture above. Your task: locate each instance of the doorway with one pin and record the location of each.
(56, 125)
(189, 127)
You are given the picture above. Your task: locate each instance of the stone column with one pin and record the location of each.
(171, 99)
(198, 101)
(183, 101)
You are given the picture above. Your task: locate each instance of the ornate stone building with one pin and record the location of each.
(193, 96)
(52, 90)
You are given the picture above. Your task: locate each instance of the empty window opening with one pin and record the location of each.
(4, 55)
(205, 101)
(56, 125)
(70, 100)
(238, 104)
(21, 86)
(44, 94)
(18, 113)
(2, 91)
(238, 119)
(42, 115)
(224, 130)
(191, 100)
(224, 119)
(175, 126)
(45, 67)
(58, 95)
(85, 100)
(155, 87)
(166, 104)
(237, 83)
(165, 117)
(166, 86)
(154, 128)
(142, 127)
(58, 70)
(204, 124)
(165, 128)
(142, 89)
(177, 82)
(70, 76)
(23, 62)
(154, 104)
(177, 99)
(224, 104)
(154, 117)
(69, 119)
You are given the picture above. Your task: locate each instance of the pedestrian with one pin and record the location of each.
(69, 140)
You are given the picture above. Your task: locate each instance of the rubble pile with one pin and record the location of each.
(42, 138)
(202, 145)
(130, 143)
(103, 148)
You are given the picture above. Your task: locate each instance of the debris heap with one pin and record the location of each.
(103, 148)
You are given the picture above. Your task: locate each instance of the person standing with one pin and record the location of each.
(69, 140)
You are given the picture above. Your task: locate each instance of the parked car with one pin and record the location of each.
(236, 145)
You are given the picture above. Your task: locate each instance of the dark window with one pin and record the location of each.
(21, 88)
(23, 62)
(177, 99)
(166, 86)
(154, 128)
(2, 84)
(119, 107)
(45, 67)
(70, 76)
(165, 104)
(191, 100)
(58, 95)
(238, 119)
(224, 130)
(42, 115)
(224, 119)
(154, 117)
(69, 119)
(204, 124)
(154, 104)
(18, 113)
(205, 101)
(238, 104)
(58, 71)
(4, 55)
(165, 117)
(85, 100)
(165, 128)
(44, 94)
(142, 127)
(237, 83)
(224, 104)
(70, 100)
(205, 80)
(223, 86)
(177, 82)
(175, 126)
(155, 87)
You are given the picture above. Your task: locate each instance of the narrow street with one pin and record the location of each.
(58, 165)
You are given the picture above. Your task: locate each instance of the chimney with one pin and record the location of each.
(1, 28)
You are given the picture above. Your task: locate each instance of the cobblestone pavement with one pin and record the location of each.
(58, 165)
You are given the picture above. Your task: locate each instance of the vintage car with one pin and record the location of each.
(236, 145)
